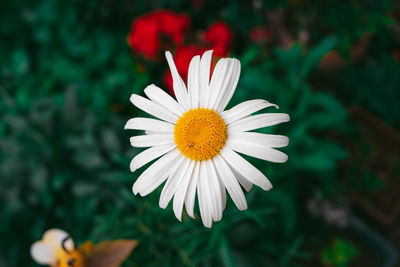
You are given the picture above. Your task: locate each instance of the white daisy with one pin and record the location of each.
(197, 140)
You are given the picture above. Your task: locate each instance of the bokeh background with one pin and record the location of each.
(68, 68)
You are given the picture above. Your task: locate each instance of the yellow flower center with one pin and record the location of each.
(200, 134)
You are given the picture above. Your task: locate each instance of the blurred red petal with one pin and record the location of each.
(146, 30)
(218, 33)
(143, 37)
(174, 25)
(184, 55)
(220, 50)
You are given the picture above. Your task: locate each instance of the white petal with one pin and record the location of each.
(245, 109)
(230, 182)
(157, 180)
(43, 253)
(149, 124)
(180, 194)
(257, 151)
(153, 108)
(150, 154)
(230, 89)
(148, 180)
(215, 191)
(151, 140)
(205, 69)
(204, 197)
(178, 84)
(245, 168)
(217, 81)
(257, 121)
(159, 96)
(227, 80)
(246, 184)
(55, 237)
(191, 191)
(155, 132)
(260, 139)
(173, 182)
(194, 82)
(223, 193)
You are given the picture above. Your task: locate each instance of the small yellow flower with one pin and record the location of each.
(57, 249)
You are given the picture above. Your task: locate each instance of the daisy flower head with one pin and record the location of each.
(196, 141)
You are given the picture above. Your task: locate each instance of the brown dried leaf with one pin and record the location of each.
(107, 253)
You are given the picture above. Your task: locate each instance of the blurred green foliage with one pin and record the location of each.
(339, 254)
(66, 77)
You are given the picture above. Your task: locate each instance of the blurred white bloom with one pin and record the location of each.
(54, 244)
(196, 139)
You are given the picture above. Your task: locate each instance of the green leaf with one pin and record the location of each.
(315, 55)
(225, 253)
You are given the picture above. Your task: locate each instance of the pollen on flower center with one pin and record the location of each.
(200, 134)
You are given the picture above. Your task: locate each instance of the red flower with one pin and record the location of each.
(172, 25)
(144, 36)
(219, 36)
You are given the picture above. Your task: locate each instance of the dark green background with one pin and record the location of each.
(66, 75)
